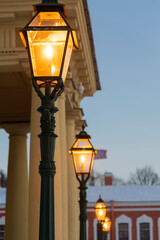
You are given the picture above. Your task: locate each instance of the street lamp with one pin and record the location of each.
(100, 211)
(49, 40)
(83, 154)
(106, 225)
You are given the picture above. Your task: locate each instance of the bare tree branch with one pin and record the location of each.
(144, 176)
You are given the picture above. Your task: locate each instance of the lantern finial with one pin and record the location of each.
(49, 1)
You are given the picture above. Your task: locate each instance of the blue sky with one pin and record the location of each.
(124, 117)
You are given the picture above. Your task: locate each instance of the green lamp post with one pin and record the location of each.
(100, 211)
(49, 40)
(83, 154)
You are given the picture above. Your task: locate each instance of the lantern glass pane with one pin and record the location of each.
(75, 39)
(53, 19)
(100, 211)
(82, 143)
(67, 57)
(82, 161)
(23, 39)
(46, 49)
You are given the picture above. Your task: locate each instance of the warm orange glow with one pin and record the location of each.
(53, 70)
(82, 143)
(48, 52)
(67, 57)
(23, 39)
(47, 49)
(75, 39)
(100, 211)
(48, 19)
(83, 156)
(50, 41)
(82, 161)
(106, 225)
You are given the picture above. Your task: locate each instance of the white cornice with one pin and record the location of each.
(130, 210)
(127, 204)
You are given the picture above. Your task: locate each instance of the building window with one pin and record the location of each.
(123, 231)
(123, 225)
(145, 228)
(2, 232)
(144, 231)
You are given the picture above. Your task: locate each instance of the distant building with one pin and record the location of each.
(2, 211)
(134, 211)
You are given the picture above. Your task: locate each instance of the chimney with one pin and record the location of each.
(108, 179)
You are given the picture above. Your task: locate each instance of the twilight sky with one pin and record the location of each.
(124, 117)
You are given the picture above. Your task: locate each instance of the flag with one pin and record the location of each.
(101, 154)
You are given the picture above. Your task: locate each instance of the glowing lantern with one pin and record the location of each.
(106, 225)
(83, 155)
(49, 40)
(100, 209)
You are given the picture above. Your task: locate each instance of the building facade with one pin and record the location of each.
(19, 116)
(134, 211)
(2, 212)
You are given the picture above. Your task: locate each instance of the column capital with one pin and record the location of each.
(79, 125)
(75, 114)
(16, 129)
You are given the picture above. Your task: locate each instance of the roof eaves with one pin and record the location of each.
(90, 33)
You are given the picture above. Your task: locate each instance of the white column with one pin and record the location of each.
(34, 177)
(58, 181)
(73, 192)
(17, 183)
(64, 170)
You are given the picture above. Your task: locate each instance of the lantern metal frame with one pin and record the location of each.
(54, 81)
(82, 179)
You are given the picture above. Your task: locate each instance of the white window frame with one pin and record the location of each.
(123, 219)
(95, 228)
(2, 220)
(87, 227)
(144, 219)
(158, 228)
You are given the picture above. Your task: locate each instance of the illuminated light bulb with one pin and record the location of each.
(100, 212)
(53, 69)
(82, 159)
(105, 225)
(48, 52)
(54, 39)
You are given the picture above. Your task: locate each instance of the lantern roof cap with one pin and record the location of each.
(100, 199)
(83, 134)
(49, 7)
